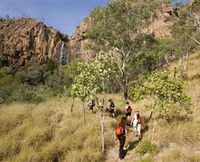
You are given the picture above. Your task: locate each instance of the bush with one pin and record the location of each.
(27, 94)
(34, 85)
(145, 147)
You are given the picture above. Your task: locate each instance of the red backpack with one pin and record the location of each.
(129, 109)
(139, 120)
(119, 130)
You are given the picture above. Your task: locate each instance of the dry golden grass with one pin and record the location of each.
(178, 140)
(50, 132)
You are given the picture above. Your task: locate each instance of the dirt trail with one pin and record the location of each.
(132, 141)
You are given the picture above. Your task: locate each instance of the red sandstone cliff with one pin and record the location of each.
(27, 42)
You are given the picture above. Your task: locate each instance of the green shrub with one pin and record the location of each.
(145, 147)
(27, 94)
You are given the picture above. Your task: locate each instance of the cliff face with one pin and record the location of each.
(76, 44)
(160, 26)
(27, 43)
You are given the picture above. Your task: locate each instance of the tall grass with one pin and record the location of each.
(50, 132)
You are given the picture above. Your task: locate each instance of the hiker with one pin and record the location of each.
(112, 107)
(128, 109)
(91, 104)
(134, 120)
(137, 123)
(120, 132)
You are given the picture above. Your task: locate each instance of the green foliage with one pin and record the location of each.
(113, 28)
(28, 94)
(52, 66)
(92, 76)
(185, 31)
(166, 93)
(113, 25)
(145, 147)
(34, 85)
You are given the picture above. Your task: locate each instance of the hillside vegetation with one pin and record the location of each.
(50, 132)
(39, 123)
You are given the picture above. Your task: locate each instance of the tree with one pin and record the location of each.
(166, 94)
(185, 31)
(119, 27)
(91, 80)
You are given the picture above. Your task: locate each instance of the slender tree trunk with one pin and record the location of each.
(186, 62)
(101, 116)
(83, 110)
(102, 130)
(150, 116)
(175, 72)
(126, 93)
(72, 106)
(125, 86)
(102, 122)
(166, 59)
(182, 65)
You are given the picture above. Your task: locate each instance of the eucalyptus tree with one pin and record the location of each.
(119, 27)
(91, 80)
(166, 95)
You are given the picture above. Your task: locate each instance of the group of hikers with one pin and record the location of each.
(132, 119)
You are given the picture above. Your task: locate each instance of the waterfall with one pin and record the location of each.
(61, 54)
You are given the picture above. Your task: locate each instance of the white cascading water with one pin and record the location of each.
(61, 54)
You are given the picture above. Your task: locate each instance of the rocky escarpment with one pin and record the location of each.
(77, 43)
(160, 26)
(27, 42)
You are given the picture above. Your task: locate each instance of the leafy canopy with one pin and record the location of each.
(92, 75)
(116, 24)
(166, 93)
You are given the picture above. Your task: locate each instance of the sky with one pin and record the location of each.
(63, 15)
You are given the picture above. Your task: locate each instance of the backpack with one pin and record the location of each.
(139, 120)
(119, 130)
(129, 109)
(112, 105)
(93, 103)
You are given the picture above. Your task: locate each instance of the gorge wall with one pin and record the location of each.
(27, 42)
(160, 26)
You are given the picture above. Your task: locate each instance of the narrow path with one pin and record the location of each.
(132, 141)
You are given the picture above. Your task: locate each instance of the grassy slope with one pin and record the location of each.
(179, 139)
(49, 132)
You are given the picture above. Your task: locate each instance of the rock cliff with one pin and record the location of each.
(27, 42)
(160, 26)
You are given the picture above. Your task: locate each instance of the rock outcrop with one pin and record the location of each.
(160, 26)
(76, 45)
(27, 42)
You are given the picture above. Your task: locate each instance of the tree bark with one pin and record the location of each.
(150, 116)
(102, 130)
(83, 110)
(186, 62)
(72, 106)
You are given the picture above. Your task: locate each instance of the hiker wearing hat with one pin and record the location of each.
(111, 107)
